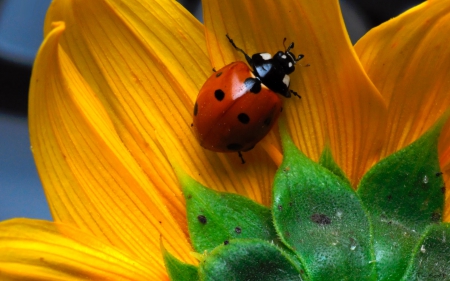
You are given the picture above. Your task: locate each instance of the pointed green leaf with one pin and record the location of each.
(403, 195)
(248, 259)
(216, 217)
(431, 258)
(327, 161)
(179, 271)
(321, 218)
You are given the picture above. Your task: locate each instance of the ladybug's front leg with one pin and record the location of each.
(242, 158)
(295, 94)
(247, 57)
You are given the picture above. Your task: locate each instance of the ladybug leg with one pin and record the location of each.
(242, 158)
(295, 94)
(247, 57)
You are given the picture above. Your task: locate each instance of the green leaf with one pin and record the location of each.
(321, 218)
(215, 217)
(179, 271)
(248, 259)
(431, 257)
(403, 194)
(327, 161)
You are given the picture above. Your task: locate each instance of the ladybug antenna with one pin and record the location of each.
(247, 57)
(299, 57)
(290, 47)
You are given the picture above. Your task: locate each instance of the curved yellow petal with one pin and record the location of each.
(90, 178)
(41, 250)
(146, 60)
(408, 59)
(132, 54)
(339, 103)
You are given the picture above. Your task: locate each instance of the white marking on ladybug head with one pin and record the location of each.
(286, 80)
(283, 57)
(290, 64)
(265, 56)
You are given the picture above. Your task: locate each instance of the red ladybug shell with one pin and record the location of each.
(227, 116)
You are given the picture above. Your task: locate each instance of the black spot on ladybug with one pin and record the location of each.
(192, 124)
(234, 147)
(320, 219)
(253, 84)
(238, 230)
(195, 109)
(218, 74)
(219, 94)
(243, 118)
(268, 121)
(438, 174)
(226, 242)
(202, 219)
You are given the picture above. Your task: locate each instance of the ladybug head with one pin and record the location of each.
(287, 59)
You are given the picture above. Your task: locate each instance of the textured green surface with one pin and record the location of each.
(248, 259)
(321, 218)
(403, 194)
(431, 257)
(215, 217)
(179, 271)
(327, 161)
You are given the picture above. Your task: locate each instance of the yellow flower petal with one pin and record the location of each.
(90, 178)
(132, 53)
(146, 62)
(408, 60)
(339, 103)
(41, 250)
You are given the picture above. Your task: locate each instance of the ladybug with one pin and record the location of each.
(238, 105)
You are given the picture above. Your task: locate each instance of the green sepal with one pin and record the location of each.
(179, 271)
(403, 194)
(431, 257)
(321, 218)
(215, 217)
(249, 259)
(327, 161)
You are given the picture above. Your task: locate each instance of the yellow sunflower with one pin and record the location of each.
(111, 100)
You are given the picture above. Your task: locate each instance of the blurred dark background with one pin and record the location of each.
(21, 24)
